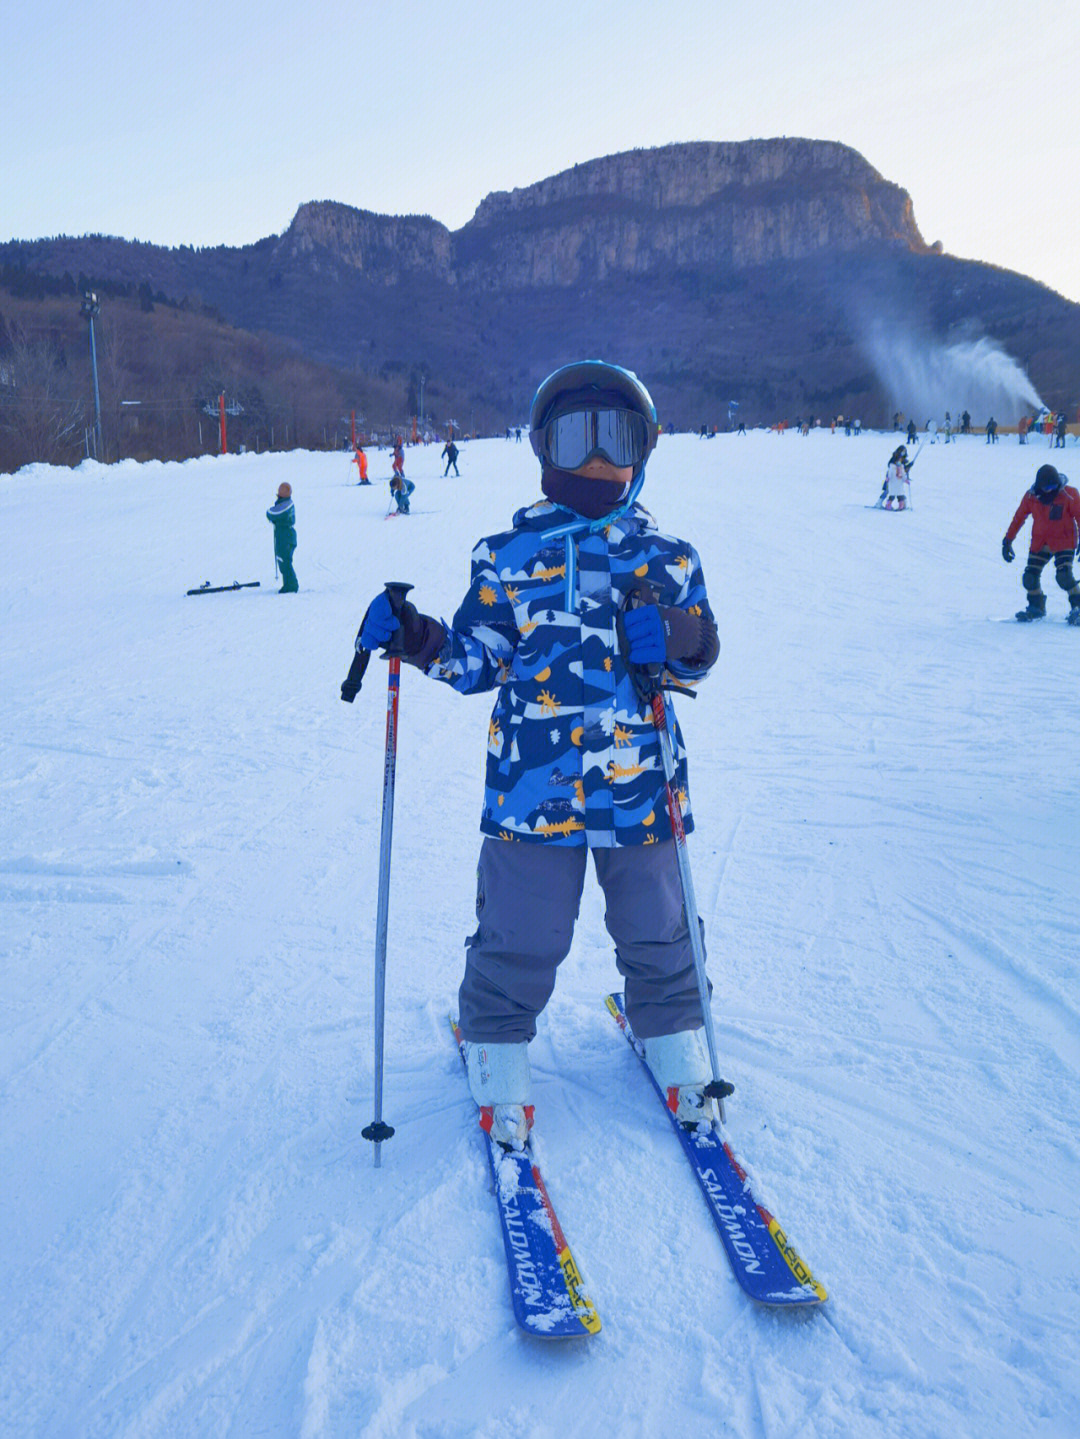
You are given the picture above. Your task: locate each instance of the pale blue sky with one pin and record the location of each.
(206, 123)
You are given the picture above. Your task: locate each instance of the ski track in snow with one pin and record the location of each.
(193, 1239)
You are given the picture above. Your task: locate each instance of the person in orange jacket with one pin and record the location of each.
(398, 466)
(1054, 507)
(360, 461)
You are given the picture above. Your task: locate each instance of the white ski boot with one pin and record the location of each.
(500, 1082)
(680, 1067)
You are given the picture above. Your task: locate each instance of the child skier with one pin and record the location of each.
(360, 460)
(282, 516)
(1054, 507)
(450, 453)
(897, 479)
(400, 487)
(573, 756)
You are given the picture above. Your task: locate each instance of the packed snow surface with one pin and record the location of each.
(193, 1238)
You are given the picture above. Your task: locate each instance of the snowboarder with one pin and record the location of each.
(361, 462)
(897, 479)
(450, 451)
(912, 432)
(1054, 507)
(282, 515)
(991, 431)
(574, 762)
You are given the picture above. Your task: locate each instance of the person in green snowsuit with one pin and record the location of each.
(282, 515)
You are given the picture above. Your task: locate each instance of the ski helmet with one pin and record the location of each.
(593, 386)
(284, 490)
(1047, 480)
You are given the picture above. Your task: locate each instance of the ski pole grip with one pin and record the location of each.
(395, 593)
(644, 678)
(350, 687)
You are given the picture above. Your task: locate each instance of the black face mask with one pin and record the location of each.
(592, 499)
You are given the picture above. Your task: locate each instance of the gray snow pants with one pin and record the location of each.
(527, 900)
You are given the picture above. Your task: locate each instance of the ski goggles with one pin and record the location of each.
(570, 441)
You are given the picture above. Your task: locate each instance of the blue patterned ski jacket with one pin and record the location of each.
(573, 757)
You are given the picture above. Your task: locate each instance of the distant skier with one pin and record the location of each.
(401, 489)
(1054, 507)
(450, 451)
(360, 460)
(574, 760)
(1059, 432)
(897, 480)
(282, 515)
(991, 431)
(398, 467)
(912, 432)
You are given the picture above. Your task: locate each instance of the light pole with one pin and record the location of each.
(90, 308)
(423, 381)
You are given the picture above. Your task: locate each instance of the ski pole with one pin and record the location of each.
(646, 681)
(378, 1129)
(719, 1088)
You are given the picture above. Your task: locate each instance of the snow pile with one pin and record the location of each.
(194, 1241)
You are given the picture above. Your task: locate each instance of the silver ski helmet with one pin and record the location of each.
(597, 387)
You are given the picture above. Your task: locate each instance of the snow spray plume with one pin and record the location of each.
(924, 378)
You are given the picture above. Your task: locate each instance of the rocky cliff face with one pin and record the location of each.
(712, 207)
(382, 247)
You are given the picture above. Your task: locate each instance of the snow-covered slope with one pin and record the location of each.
(193, 1239)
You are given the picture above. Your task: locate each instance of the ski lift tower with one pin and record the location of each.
(90, 309)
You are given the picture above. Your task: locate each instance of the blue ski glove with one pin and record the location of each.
(406, 634)
(380, 622)
(645, 636)
(1007, 553)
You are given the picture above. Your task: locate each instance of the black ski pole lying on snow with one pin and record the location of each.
(378, 1129)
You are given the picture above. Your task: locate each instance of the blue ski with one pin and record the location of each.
(761, 1256)
(546, 1287)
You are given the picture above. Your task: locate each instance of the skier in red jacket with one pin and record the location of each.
(1054, 507)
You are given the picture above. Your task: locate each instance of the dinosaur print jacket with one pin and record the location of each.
(573, 756)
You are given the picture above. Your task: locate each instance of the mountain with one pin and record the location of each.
(752, 270)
